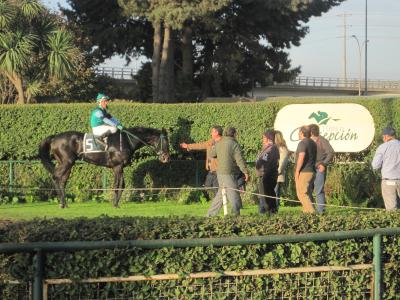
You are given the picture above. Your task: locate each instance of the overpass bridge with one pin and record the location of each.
(327, 86)
(300, 86)
(345, 84)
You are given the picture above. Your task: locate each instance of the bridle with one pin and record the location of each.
(159, 145)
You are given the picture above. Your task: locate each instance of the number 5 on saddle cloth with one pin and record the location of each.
(94, 143)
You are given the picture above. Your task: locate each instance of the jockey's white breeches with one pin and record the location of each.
(102, 129)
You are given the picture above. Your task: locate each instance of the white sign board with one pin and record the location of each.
(348, 127)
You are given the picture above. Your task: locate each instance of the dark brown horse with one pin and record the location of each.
(67, 147)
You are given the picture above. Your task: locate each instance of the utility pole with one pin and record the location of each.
(366, 46)
(344, 46)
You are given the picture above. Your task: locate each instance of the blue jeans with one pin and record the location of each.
(318, 187)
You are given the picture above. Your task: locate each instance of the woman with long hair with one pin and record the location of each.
(283, 161)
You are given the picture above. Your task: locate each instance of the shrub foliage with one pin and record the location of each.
(22, 129)
(125, 262)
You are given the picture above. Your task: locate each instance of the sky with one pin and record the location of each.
(322, 52)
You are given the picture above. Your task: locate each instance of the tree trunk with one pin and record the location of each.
(7, 90)
(155, 64)
(167, 68)
(171, 69)
(206, 77)
(187, 57)
(17, 82)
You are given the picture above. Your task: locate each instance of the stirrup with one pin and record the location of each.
(103, 141)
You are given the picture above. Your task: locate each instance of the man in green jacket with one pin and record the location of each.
(102, 123)
(230, 163)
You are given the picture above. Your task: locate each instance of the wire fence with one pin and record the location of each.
(15, 290)
(12, 181)
(26, 175)
(138, 193)
(351, 282)
(173, 191)
(299, 202)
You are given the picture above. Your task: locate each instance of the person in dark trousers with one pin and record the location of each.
(230, 162)
(267, 172)
(306, 155)
(211, 163)
(325, 155)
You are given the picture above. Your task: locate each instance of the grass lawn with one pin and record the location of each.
(14, 212)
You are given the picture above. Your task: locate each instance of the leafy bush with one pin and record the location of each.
(23, 127)
(125, 262)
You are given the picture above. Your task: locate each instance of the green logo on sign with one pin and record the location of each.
(321, 117)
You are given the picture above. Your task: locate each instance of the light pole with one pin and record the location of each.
(359, 62)
(364, 44)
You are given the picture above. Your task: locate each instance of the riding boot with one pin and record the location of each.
(105, 142)
(104, 138)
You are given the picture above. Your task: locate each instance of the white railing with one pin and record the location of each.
(116, 73)
(300, 81)
(341, 83)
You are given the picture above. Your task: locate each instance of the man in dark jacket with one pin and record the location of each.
(267, 172)
(230, 161)
(325, 154)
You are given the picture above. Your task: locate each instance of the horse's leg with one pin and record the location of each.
(119, 183)
(61, 176)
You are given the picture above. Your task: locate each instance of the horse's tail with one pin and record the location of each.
(44, 154)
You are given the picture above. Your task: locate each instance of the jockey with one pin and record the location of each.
(102, 123)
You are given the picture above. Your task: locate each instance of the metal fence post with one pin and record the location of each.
(104, 181)
(10, 175)
(38, 260)
(224, 201)
(377, 263)
(197, 172)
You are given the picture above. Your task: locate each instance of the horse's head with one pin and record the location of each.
(161, 146)
(154, 138)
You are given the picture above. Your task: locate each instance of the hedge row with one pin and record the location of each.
(23, 127)
(126, 262)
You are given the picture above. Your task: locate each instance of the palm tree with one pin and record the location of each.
(34, 46)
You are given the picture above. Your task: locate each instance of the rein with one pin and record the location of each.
(132, 136)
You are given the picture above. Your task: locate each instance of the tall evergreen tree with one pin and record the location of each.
(105, 31)
(169, 18)
(221, 47)
(244, 43)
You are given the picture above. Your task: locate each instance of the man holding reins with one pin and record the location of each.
(211, 162)
(101, 122)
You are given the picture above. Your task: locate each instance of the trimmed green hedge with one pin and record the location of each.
(23, 127)
(126, 262)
